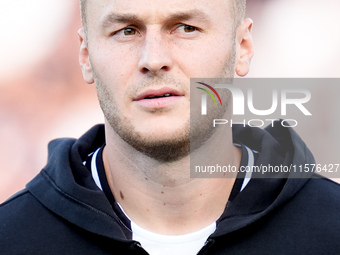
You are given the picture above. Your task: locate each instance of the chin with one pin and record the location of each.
(163, 147)
(164, 139)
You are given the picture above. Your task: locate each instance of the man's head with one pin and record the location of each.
(141, 55)
(238, 9)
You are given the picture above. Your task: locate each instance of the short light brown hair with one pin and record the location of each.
(238, 9)
(83, 13)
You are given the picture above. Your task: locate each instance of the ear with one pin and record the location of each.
(84, 59)
(244, 47)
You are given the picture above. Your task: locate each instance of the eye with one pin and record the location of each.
(125, 32)
(129, 31)
(188, 29)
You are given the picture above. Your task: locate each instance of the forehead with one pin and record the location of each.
(156, 10)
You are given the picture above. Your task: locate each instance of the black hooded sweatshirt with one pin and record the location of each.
(62, 211)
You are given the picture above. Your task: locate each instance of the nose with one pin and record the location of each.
(155, 55)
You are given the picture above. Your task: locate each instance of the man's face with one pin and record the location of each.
(142, 55)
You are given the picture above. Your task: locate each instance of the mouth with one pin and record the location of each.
(159, 93)
(157, 99)
(165, 95)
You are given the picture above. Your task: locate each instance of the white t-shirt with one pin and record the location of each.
(160, 244)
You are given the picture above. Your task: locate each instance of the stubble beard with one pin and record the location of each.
(164, 150)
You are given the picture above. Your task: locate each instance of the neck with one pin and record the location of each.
(162, 197)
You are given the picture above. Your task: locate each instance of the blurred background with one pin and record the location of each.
(43, 95)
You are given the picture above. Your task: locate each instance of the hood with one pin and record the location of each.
(65, 186)
(277, 145)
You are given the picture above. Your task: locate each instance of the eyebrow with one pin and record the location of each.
(119, 18)
(187, 15)
(113, 18)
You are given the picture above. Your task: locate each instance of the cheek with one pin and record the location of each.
(112, 61)
(204, 60)
(114, 66)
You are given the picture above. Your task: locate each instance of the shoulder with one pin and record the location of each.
(322, 190)
(309, 220)
(17, 211)
(14, 205)
(318, 205)
(24, 223)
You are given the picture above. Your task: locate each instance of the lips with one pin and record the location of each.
(158, 99)
(156, 94)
